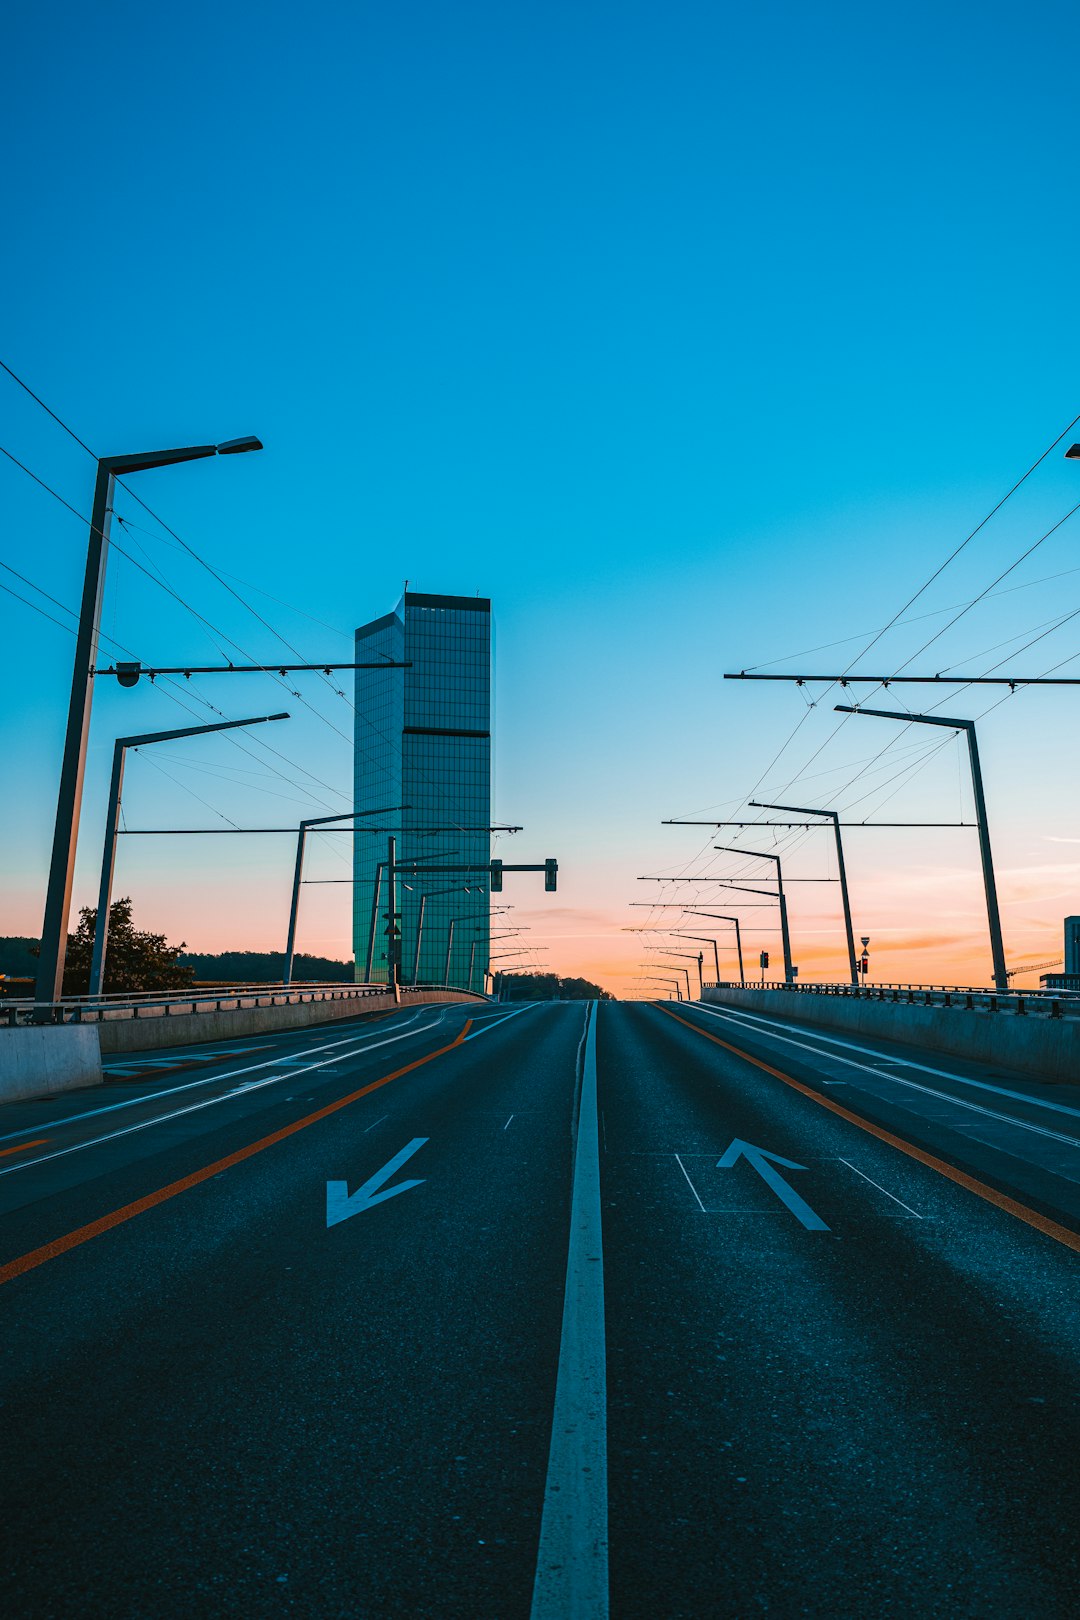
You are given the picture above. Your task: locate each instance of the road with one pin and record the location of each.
(542, 1310)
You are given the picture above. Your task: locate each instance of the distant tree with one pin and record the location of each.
(134, 961)
(549, 987)
(18, 955)
(264, 967)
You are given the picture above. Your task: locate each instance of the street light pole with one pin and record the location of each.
(298, 873)
(763, 855)
(419, 937)
(834, 817)
(693, 956)
(50, 974)
(391, 927)
(112, 826)
(993, 915)
(706, 939)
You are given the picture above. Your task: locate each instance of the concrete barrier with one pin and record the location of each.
(1038, 1046)
(153, 1028)
(36, 1062)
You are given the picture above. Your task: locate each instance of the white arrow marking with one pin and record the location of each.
(339, 1205)
(763, 1162)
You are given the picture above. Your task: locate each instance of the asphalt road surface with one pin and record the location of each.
(540, 1311)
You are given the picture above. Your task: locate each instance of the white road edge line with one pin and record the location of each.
(690, 1184)
(913, 1085)
(754, 1019)
(882, 1189)
(572, 1559)
(226, 1096)
(210, 1079)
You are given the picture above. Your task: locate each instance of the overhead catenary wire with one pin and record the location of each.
(179, 540)
(114, 545)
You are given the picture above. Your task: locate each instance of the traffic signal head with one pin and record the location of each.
(496, 877)
(551, 869)
(764, 959)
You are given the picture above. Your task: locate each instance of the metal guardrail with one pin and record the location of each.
(224, 998)
(969, 998)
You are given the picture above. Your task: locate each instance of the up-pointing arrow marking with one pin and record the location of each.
(339, 1205)
(763, 1162)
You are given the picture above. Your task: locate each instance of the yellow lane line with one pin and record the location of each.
(38, 1141)
(1041, 1223)
(83, 1234)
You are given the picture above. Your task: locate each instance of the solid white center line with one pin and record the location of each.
(882, 1189)
(690, 1184)
(572, 1559)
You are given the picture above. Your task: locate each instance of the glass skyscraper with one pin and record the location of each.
(423, 740)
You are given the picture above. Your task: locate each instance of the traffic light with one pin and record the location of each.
(551, 869)
(764, 960)
(496, 877)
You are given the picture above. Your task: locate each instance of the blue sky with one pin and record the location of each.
(695, 335)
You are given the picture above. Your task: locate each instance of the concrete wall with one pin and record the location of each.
(145, 1033)
(1041, 1047)
(37, 1062)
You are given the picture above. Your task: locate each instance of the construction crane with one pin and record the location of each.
(1033, 967)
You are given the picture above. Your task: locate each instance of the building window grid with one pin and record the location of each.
(444, 779)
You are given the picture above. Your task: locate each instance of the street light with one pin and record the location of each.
(675, 968)
(993, 915)
(721, 917)
(763, 855)
(50, 974)
(298, 872)
(470, 917)
(834, 817)
(112, 820)
(693, 956)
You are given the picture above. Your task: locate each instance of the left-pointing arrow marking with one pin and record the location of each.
(764, 1163)
(339, 1204)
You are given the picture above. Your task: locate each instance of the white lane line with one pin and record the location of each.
(129, 1130)
(572, 1559)
(929, 1091)
(210, 1079)
(882, 1189)
(372, 1127)
(690, 1184)
(493, 1023)
(756, 1020)
(160, 1119)
(506, 1127)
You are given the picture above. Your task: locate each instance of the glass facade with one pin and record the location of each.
(423, 740)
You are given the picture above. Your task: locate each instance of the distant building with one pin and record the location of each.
(1070, 978)
(423, 739)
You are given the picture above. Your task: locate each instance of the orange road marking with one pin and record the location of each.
(1041, 1223)
(83, 1234)
(39, 1141)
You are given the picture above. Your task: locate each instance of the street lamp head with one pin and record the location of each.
(1073, 453)
(239, 447)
